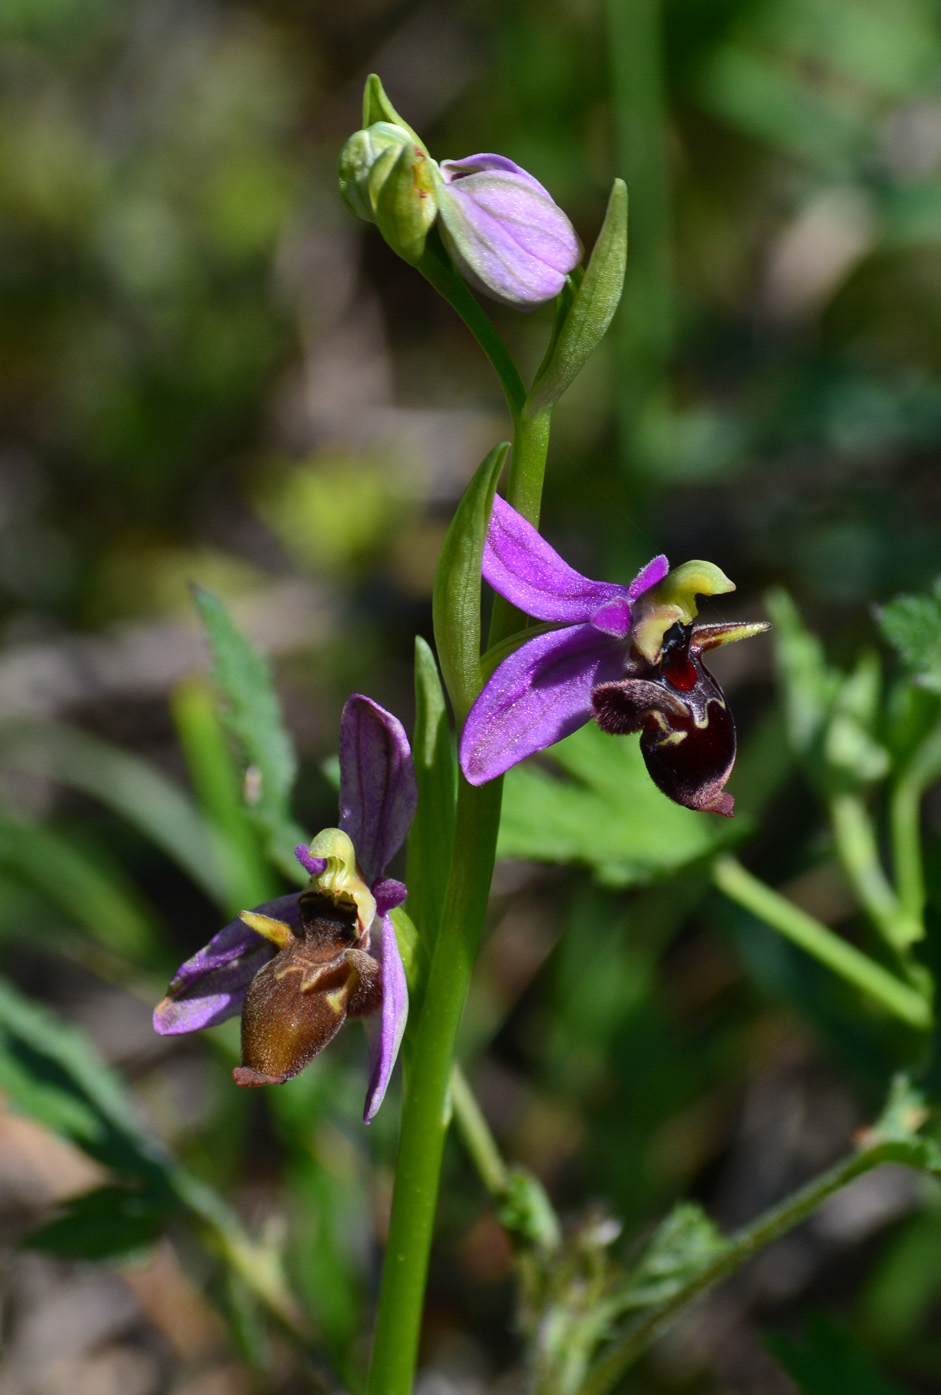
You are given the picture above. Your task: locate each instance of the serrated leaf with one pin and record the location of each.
(253, 717)
(809, 683)
(830, 1361)
(600, 808)
(684, 1244)
(912, 625)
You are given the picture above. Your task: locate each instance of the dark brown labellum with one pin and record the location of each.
(687, 732)
(298, 1002)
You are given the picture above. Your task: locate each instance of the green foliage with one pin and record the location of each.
(51, 1072)
(682, 1246)
(830, 1361)
(912, 625)
(592, 308)
(432, 833)
(456, 600)
(253, 717)
(107, 1223)
(604, 812)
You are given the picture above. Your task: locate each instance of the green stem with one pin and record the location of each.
(856, 849)
(436, 268)
(739, 1248)
(905, 834)
(424, 1115)
(802, 929)
(478, 1140)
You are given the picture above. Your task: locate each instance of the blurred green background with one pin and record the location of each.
(210, 372)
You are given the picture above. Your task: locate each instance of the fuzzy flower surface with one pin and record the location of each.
(298, 966)
(504, 231)
(629, 656)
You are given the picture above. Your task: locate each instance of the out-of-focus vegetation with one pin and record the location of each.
(210, 373)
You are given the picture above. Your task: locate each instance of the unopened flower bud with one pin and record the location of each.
(367, 156)
(503, 230)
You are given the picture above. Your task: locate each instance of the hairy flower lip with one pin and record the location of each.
(378, 796)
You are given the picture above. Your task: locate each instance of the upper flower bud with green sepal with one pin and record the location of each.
(388, 179)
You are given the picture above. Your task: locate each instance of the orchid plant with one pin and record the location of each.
(630, 657)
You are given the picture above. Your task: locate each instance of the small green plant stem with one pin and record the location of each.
(855, 842)
(919, 772)
(741, 1247)
(475, 1132)
(811, 935)
(435, 266)
(425, 1111)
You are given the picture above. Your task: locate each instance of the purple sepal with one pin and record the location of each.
(655, 570)
(378, 791)
(384, 1029)
(314, 865)
(540, 694)
(531, 575)
(211, 986)
(388, 894)
(505, 233)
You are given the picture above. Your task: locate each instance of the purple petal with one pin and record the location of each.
(504, 231)
(211, 986)
(313, 865)
(384, 1029)
(528, 572)
(541, 693)
(648, 576)
(378, 791)
(614, 618)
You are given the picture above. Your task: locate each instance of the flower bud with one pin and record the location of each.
(379, 146)
(503, 230)
(386, 178)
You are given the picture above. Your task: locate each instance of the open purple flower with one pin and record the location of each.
(627, 655)
(507, 236)
(298, 966)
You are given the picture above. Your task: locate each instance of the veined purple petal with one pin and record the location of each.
(378, 791)
(211, 986)
(528, 572)
(614, 617)
(385, 1028)
(504, 231)
(540, 694)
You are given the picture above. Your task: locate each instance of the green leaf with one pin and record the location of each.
(89, 888)
(604, 812)
(456, 602)
(377, 107)
(253, 718)
(830, 1362)
(108, 1223)
(51, 1072)
(850, 750)
(432, 833)
(912, 625)
(592, 308)
(684, 1244)
(140, 793)
(809, 683)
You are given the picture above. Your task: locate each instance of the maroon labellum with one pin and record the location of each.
(687, 732)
